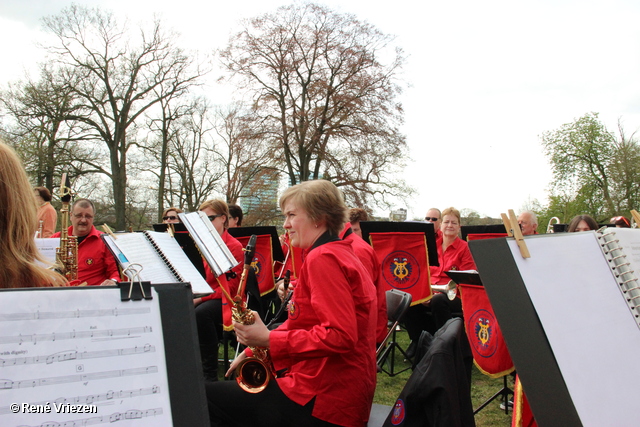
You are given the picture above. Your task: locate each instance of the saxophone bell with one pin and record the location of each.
(551, 222)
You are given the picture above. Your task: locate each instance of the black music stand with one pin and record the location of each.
(276, 248)
(368, 227)
(465, 230)
(468, 278)
(182, 236)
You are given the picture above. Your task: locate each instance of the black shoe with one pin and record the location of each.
(411, 350)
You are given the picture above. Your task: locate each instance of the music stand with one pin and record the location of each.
(368, 227)
(276, 248)
(181, 234)
(465, 230)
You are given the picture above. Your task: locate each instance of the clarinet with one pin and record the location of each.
(285, 302)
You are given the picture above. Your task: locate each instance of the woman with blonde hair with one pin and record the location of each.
(18, 216)
(325, 350)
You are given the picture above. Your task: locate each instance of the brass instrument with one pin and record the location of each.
(40, 229)
(67, 253)
(550, 225)
(253, 373)
(451, 289)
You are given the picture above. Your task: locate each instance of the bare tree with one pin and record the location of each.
(242, 151)
(116, 77)
(324, 95)
(47, 143)
(195, 171)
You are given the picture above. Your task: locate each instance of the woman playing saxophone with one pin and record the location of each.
(324, 352)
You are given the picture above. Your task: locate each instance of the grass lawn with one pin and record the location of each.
(482, 388)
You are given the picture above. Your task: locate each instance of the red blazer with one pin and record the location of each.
(328, 341)
(95, 261)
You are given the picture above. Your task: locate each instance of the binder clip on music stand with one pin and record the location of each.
(135, 289)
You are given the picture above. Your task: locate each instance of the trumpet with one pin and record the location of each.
(451, 289)
(551, 222)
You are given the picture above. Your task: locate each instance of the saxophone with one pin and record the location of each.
(253, 373)
(67, 253)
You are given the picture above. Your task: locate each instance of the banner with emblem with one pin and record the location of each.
(405, 264)
(262, 262)
(490, 353)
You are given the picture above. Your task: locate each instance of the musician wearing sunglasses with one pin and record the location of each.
(324, 352)
(434, 217)
(96, 265)
(170, 215)
(209, 309)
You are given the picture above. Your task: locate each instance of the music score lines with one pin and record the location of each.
(72, 335)
(90, 399)
(73, 314)
(7, 384)
(65, 356)
(115, 417)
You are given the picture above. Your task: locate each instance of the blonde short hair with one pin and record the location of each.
(321, 200)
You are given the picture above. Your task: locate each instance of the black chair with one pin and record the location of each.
(398, 303)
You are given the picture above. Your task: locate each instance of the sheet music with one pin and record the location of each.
(81, 349)
(209, 242)
(135, 248)
(47, 248)
(180, 261)
(589, 327)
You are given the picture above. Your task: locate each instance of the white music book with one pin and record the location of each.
(81, 357)
(584, 290)
(209, 242)
(160, 256)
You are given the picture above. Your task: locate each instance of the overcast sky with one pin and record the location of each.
(485, 79)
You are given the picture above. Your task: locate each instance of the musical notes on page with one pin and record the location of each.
(62, 349)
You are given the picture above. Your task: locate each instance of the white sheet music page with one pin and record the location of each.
(135, 248)
(47, 248)
(211, 245)
(179, 260)
(81, 357)
(588, 324)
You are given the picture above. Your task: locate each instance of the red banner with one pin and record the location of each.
(262, 262)
(490, 352)
(405, 264)
(522, 415)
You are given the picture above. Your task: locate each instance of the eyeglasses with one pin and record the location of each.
(212, 217)
(431, 219)
(80, 216)
(166, 218)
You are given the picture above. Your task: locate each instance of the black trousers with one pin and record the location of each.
(209, 323)
(229, 405)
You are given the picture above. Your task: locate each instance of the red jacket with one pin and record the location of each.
(370, 260)
(95, 261)
(328, 340)
(456, 257)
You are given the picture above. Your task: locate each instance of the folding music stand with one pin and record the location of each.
(368, 227)
(398, 303)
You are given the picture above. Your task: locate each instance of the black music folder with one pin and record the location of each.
(465, 230)
(270, 230)
(114, 360)
(404, 227)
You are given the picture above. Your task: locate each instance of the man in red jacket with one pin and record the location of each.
(96, 265)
